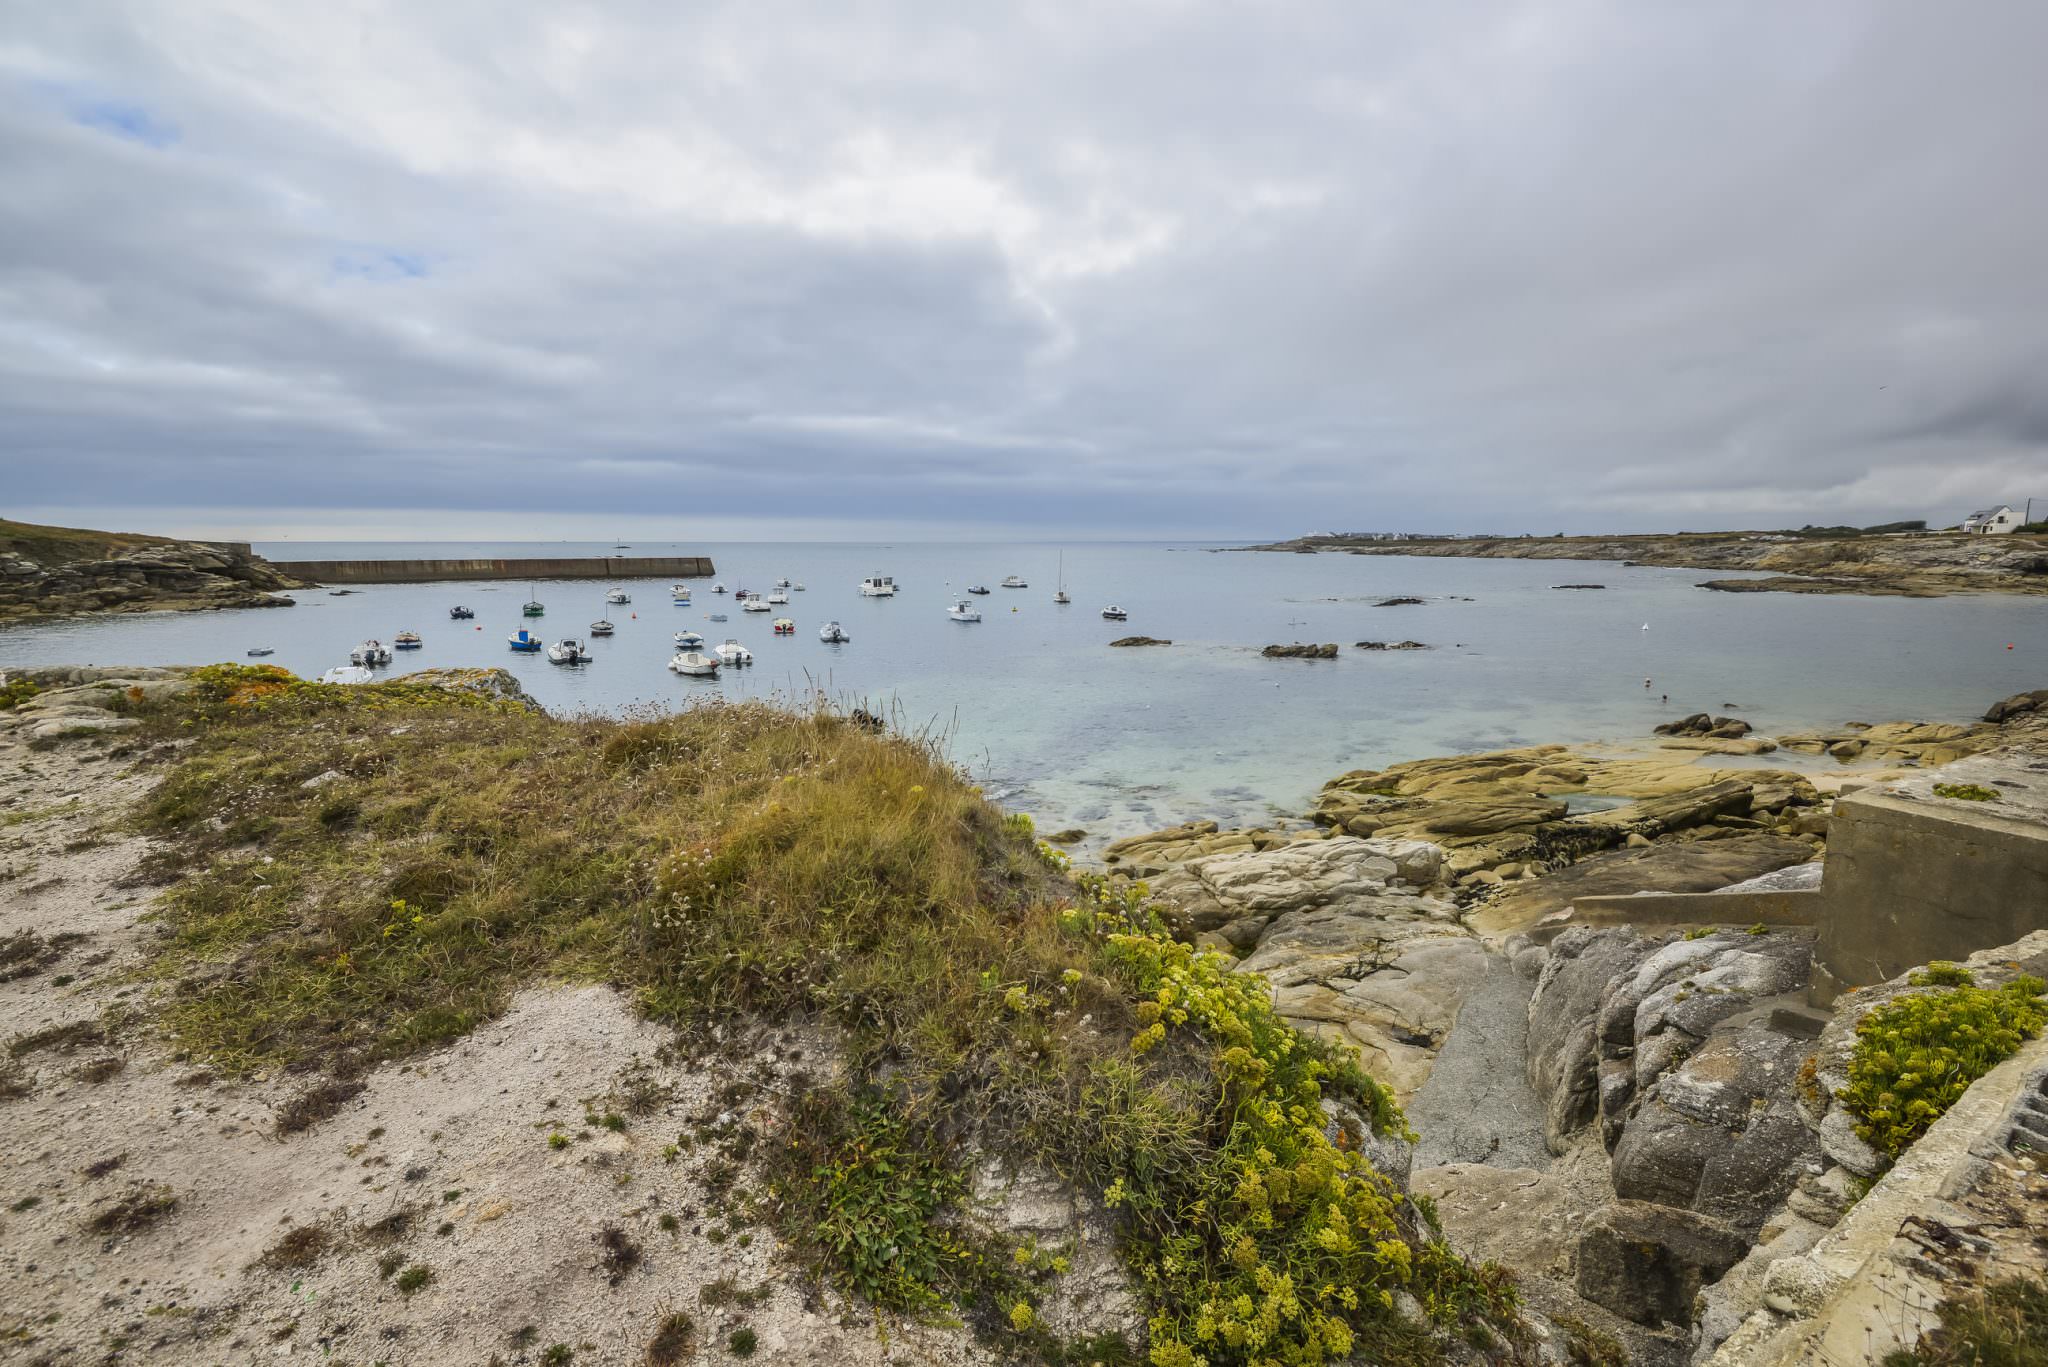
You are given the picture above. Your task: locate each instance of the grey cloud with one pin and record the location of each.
(1128, 268)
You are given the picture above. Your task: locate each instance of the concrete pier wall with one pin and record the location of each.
(429, 571)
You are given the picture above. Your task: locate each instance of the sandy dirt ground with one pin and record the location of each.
(145, 1203)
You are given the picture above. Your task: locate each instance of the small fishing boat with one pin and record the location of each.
(778, 595)
(754, 605)
(618, 596)
(524, 641)
(407, 640)
(260, 651)
(1115, 613)
(782, 583)
(878, 586)
(602, 628)
(348, 674)
(718, 588)
(679, 594)
(568, 652)
(696, 665)
(978, 588)
(833, 633)
(717, 617)
(733, 653)
(798, 587)
(533, 606)
(1015, 581)
(784, 627)
(689, 640)
(370, 654)
(458, 613)
(964, 611)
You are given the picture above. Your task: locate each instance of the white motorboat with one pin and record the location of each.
(785, 627)
(964, 611)
(878, 586)
(370, 654)
(1015, 581)
(695, 664)
(1115, 613)
(733, 653)
(718, 588)
(778, 594)
(348, 674)
(782, 583)
(689, 640)
(679, 594)
(568, 652)
(833, 633)
(753, 604)
(618, 596)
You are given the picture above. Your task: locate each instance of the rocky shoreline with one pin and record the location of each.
(1923, 565)
(1425, 917)
(50, 572)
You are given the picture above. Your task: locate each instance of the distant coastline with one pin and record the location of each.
(1896, 564)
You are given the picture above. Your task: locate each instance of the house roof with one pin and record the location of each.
(1986, 514)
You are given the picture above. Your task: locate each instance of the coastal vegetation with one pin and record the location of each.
(1916, 1056)
(376, 871)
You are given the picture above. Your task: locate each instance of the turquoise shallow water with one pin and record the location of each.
(1036, 704)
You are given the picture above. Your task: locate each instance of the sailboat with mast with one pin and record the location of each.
(1060, 594)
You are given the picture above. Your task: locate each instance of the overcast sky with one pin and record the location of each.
(1158, 267)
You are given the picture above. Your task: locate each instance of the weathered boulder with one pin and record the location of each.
(2019, 704)
(1389, 645)
(1701, 724)
(1564, 1016)
(1298, 651)
(1140, 641)
(1648, 1262)
(1213, 890)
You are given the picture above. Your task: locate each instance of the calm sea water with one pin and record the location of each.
(1034, 701)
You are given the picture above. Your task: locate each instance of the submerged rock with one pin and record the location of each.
(1298, 651)
(1140, 641)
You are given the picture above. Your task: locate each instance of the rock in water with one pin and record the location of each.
(1298, 651)
(1140, 641)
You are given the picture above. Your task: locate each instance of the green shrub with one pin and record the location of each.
(1966, 792)
(16, 691)
(1916, 1056)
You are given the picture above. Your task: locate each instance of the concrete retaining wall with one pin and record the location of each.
(1913, 877)
(428, 571)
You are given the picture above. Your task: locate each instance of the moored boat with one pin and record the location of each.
(689, 640)
(602, 628)
(1015, 581)
(718, 588)
(784, 627)
(533, 607)
(778, 594)
(524, 641)
(733, 653)
(964, 611)
(407, 640)
(348, 674)
(878, 586)
(694, 664)
(459, 613)
(259, 652)
(370, 654)
(679, 594)
(754, 604)
(568, 651)
(833, 633)
(618, 596)
(978, 588)
(1115, 613)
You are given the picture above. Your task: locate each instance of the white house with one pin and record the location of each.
(1990, 521)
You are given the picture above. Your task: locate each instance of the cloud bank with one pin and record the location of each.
(1165, 268)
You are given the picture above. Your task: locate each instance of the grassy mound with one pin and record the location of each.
(379, 869)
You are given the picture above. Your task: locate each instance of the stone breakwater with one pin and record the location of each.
(563, 567)
(156, 576)
(1919, 566)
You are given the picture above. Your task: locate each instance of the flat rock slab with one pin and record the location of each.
(1686, 866)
